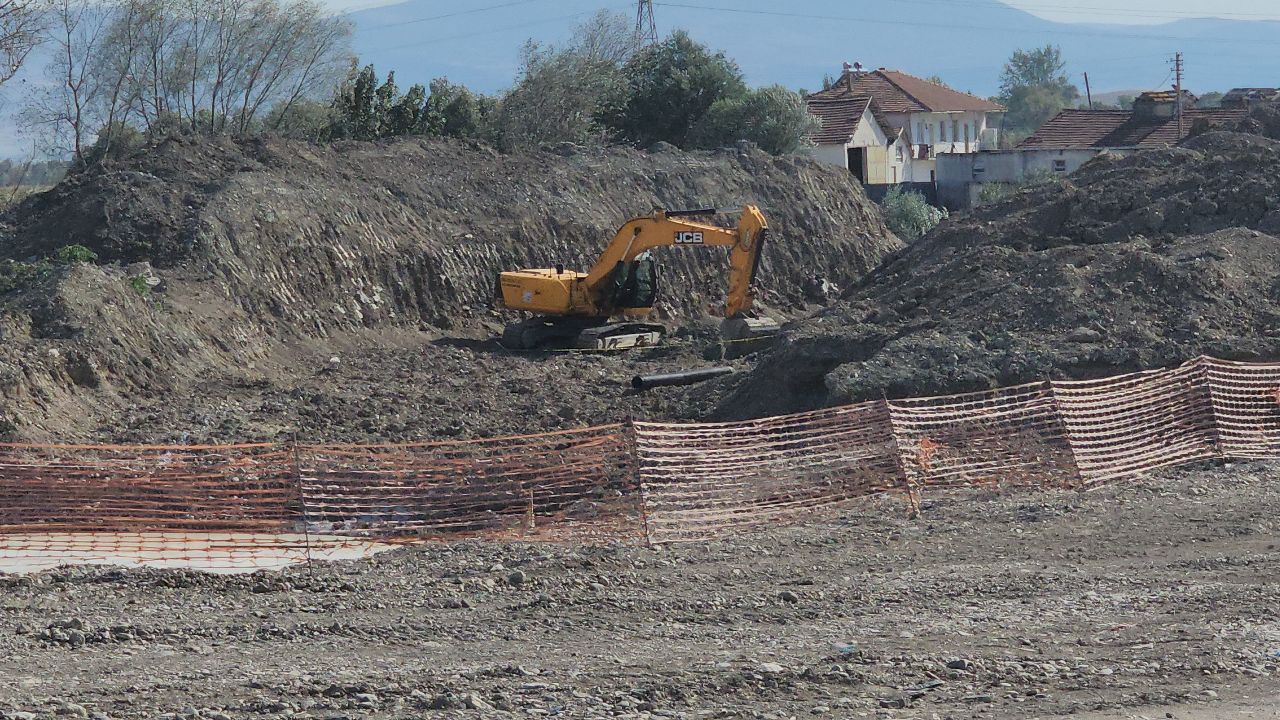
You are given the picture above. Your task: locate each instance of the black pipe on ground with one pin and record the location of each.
(688, 377)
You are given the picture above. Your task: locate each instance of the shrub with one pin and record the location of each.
(908, 214)
(74, 255)
(21, 275)
(773, 117)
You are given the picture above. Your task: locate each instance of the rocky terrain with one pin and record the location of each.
(1129, 263)
(229, 273)
(1130, 601)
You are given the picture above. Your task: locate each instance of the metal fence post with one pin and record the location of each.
(302, 502)
(633, 455)
(913, 494)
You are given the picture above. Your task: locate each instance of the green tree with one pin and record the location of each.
(563, 91)
(773, 117)
(908, 214)
(407, 115)
(1034, 88)
(668, 88)
(301, 119)
(355, 107)
(454, 111)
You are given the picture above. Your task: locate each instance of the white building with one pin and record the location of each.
(855, 136)
(1074, 137)
(932, 118)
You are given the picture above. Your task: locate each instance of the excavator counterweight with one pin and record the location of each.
(605, 307)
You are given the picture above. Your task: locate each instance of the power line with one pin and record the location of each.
(472, 11)
(1098, 10)
(521, 26)
(952, 26)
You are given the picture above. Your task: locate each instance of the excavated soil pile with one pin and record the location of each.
(1129, 263)
(231, 272)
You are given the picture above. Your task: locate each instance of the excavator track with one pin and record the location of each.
(542, 332)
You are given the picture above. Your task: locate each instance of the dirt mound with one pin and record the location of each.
(1127, 264)
(233, 272)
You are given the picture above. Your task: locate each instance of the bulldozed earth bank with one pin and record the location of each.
(1129, 263)
(245, 289)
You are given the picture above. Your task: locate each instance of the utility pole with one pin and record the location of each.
(646, 30)
(1087, 91)
(1177, 72)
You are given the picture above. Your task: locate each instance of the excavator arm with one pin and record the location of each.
(667, 229)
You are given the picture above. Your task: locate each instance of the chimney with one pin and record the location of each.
(1161, 105)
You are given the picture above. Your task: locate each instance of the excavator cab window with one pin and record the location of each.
(636, 282)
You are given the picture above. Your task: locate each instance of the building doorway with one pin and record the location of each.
(857, 164)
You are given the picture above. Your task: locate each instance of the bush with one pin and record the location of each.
(21, 275)
(667, 90)
(908, 214)
(773, 117)
(994, 192)
(74, 255)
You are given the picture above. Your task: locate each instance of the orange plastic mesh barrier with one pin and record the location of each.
(701, 480)
(248, 506)
(211, 507)
(1007, 436)
(575, 484)
(113, 488)
(1125, 426)
(1246, 405)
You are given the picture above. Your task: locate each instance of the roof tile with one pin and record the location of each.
(899, 92)
(1121, 129)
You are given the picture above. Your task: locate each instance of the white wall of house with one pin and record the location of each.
(954, 132)
(961, 176)
(883, 162)
(837, 155)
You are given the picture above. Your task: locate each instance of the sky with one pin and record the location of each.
(1146, 11)
(1140, 12)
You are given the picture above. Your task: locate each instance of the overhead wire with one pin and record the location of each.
(472, 11)
(960, 26)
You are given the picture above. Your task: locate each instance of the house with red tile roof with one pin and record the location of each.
(854, 134)
(931, 118)
(1075, 136)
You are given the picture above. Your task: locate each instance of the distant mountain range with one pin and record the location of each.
(798, 42)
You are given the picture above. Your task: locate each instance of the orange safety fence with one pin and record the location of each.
(1006, 436)
(238, 507)
(1246, 406)
(700, 480)
(1129, 425)
(569, 485)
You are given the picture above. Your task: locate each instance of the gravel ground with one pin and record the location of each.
(1137, 600)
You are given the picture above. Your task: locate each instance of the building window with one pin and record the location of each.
(966, 133)
(943, 132)
(1059, 165)
(955, 131)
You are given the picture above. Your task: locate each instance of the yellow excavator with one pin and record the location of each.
(604, 308)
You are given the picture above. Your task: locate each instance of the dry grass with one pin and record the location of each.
(12, 194)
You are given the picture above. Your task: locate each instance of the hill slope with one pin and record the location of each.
(273, 256)
(1133, 263)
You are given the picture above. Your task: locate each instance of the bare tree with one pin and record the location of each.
(67, 111)
(20, 24)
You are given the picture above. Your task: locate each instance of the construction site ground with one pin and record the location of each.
(1156, 598)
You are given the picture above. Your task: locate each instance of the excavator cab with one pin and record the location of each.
(635, 285)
